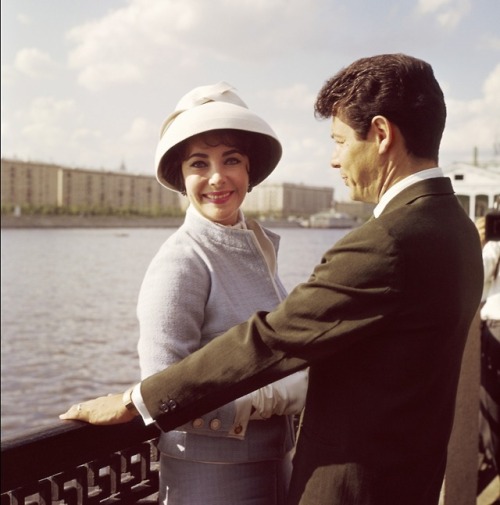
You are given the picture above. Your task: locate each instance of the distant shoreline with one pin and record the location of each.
(10, 221)
(45, 221)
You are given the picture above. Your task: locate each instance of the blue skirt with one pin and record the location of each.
(185, 482)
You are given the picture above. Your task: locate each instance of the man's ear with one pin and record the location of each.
(383, 132)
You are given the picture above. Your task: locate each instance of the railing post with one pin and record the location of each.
(77, 463)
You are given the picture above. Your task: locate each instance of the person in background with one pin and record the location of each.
(381, 322)
(489, 414)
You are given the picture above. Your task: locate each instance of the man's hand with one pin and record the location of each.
(103, 410)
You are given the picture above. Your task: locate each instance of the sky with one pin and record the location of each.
(87, 84)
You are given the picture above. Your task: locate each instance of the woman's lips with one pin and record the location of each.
(219, 197)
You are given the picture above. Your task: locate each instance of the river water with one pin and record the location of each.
(68, 322)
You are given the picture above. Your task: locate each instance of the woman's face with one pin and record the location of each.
(216, 180)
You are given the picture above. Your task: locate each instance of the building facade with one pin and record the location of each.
(477, 188)
(284, 200)
(40, 187)
(53, 188)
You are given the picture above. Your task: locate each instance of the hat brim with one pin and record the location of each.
(217, 116)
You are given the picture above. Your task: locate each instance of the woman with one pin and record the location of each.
(212, 273)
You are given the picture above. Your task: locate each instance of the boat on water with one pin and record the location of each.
(326, 219)
(332, 219)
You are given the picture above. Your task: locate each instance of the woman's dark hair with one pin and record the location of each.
(248, 143)
(399, 87)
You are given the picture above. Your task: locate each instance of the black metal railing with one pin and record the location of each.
(76, 463)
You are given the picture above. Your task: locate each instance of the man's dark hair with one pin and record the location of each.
(399, 87)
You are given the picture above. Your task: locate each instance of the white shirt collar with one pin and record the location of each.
(241, 224)
(429, 173)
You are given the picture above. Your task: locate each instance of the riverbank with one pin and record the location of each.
(44, 221)
(40, 221)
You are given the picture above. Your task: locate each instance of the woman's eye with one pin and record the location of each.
(198, 164)
(232, 161)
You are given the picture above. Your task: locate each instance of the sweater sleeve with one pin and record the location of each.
(170, 308)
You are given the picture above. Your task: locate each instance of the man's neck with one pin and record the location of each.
(414, 177)
(400, 169)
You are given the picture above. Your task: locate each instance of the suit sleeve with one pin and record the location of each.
(347, 297)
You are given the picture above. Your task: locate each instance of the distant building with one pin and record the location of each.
(476, 187)
(27, 184)
(44, 186)
(283, 200)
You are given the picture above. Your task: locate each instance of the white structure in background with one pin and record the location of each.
(332, 219)
(477, 187)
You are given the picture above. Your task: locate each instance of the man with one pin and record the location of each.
(382, 321)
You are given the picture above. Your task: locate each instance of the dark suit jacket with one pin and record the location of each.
(382, 323)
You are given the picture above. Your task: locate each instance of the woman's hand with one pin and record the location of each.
(103, 410)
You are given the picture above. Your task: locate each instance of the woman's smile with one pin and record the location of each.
(218, 197)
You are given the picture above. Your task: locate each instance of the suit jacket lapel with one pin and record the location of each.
(427, 187)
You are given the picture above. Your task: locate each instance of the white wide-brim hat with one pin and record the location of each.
(215, 107)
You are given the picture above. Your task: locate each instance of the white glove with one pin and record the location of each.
(283, 397)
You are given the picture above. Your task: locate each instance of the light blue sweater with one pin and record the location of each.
(205, 279)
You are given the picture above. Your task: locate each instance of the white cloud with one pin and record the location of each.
(100, 74)
(429, 6)
(85, 136)
(34, 63)
(24, 19)
(474, 123)
(127, 44)
(48, 110)
(489, 41)
(491, 90)
(43, 129)
(448, 13)
(297, 96)
(141, 130)
(8, 74)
